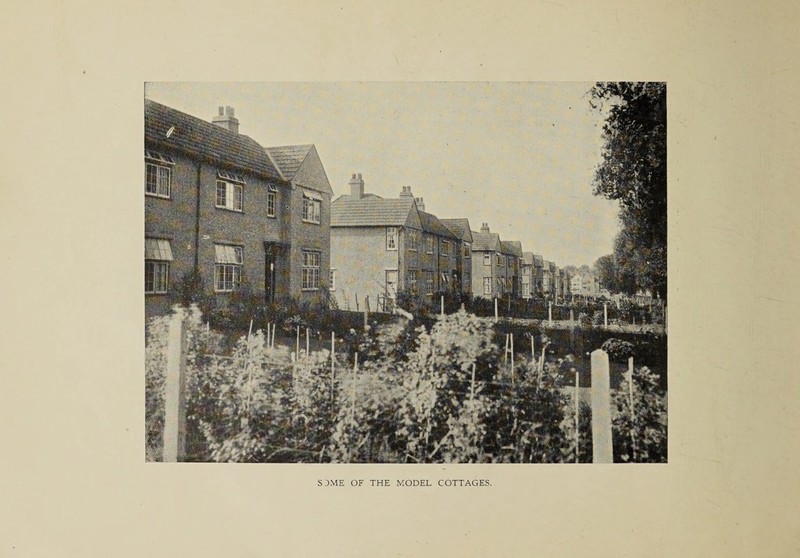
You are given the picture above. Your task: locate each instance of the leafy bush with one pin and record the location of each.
(640, 437)
(412, 398)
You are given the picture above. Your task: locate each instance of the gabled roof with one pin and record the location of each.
(460, 228)
(513, 247)
(432, 224)
(289, 158)
(370, 211)
(205, 140)
(538, 260)
(485, 242)
(527, 257)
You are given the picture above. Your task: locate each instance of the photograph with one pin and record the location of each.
(405, 272)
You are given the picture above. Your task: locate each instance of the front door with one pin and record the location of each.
(269, 277)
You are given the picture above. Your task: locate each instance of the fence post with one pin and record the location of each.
(512, 359)
(333, 361)
(297, 343)
(602, 449)
(495, 309)
(605, 314)
(577, 415)
(175, 391)
(442, 305)
(308, 344)
(550, 312)
(633, 412)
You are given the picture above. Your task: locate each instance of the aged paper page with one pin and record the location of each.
(72, 471)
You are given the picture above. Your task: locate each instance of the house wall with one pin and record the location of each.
(464, 264)
(249, 229)
(361, 260)
(308, 236)
(175, 219)
(480, 271)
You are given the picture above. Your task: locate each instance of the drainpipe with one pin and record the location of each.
(197, 222)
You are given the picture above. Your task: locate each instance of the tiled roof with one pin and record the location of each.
(513, 247)
(538, 260)
(486, 242)
(432, 224)
(527, 257)
(460, 228)
(289, 158)
(370, 211)
(203, 139)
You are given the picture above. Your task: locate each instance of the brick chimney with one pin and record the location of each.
(406, 192)
(226, 119)
(420, 204)
(485, 228)
(356, 187)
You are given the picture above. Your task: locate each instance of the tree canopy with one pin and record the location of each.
(634, 173)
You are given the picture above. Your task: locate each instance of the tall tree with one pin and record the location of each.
(634, 173)
(605, 269)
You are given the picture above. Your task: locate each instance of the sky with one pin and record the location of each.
(519, 156)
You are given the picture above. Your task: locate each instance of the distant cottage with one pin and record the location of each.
(383, 245)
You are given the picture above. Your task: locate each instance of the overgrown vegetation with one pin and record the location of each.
(417, 395)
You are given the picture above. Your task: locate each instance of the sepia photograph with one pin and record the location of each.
(406, 272)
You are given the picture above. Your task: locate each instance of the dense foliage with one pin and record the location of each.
(634, 173)
(416, 395)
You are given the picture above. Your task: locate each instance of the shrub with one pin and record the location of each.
(640, 437)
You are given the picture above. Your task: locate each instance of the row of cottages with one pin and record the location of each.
(220, 205)
(496, 264)
(544, 279)
(382, 245)
(585, 284)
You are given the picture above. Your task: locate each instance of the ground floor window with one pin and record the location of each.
(228, 267)
(429, 282)
(412, 281)
(157, 255)
(311, 270)
(487, 285)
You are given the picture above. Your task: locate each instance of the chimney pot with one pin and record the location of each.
(222, 111)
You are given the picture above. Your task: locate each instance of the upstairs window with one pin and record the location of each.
(413, 240)
(429, 244)
(391, 238)
(332, 280)
(272, 200)
(228, 267)
(467, 250)
(487, 259)
(230, 196)
(445, 248)
(499, 260)
(157, 255)
(158, 174)
(312, 207)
